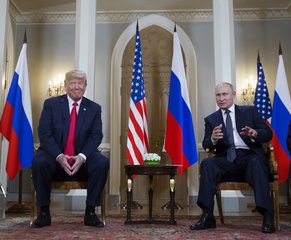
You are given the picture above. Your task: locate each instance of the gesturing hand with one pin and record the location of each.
(217, 133)
(247, 131)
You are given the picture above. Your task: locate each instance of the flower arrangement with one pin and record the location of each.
(151, 158)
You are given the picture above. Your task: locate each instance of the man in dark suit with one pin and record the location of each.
(234, 134)
(288, 139)
(52, 160)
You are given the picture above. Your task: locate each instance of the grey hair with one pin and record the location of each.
(224, 83)
(76, 74)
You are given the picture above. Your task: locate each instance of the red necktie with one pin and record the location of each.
(69, 147)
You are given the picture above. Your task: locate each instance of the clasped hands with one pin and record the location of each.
(63, 160)
(245, 131)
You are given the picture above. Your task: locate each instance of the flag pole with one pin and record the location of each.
(258, 58)
(133, 204)
(3, 200)
(168, 204)
(20, 207)
(286, 207)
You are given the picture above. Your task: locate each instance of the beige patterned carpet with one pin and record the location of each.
(72, 227)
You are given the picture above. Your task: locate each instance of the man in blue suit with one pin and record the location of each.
(238, 149)
(52, 162)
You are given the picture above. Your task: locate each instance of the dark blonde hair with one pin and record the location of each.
(75, 74)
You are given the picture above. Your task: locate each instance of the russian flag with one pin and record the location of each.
(180, 143)
(16, 120)
(281, 116)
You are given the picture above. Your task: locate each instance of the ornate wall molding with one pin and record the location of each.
(127, 17)
(271, 14)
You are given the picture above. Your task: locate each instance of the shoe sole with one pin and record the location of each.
(36, 226)
(205, 227)
(99, 225)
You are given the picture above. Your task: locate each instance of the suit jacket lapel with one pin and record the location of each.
(65, 117)
(81, 119)
(239, 116)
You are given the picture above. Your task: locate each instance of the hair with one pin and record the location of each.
(225, 83)
(75, 74)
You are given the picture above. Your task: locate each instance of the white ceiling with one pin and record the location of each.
(32, 6)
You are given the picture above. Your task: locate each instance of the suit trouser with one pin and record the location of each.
(45, 169)
(255, 168)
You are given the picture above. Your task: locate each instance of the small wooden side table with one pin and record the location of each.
(151, 170)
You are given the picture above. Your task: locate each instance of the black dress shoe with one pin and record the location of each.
(92, 220)
(268, 223)
(43, 219)
(205, 221)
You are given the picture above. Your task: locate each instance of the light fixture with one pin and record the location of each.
(56, 86)
(248, 90)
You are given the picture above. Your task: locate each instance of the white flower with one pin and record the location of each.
(151, 157)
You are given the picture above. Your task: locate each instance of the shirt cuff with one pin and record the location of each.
(58, 156)
(83, 156)
(214, 142)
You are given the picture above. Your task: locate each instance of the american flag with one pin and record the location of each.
(137, 135)
(262, 100)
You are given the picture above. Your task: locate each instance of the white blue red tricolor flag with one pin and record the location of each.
(16, 120)
(280, 120)
(262, 100)
(180, 143)
(137, 134)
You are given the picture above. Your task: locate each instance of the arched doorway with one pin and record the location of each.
(116, 165)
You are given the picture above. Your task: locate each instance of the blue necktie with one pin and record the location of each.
(231, 155)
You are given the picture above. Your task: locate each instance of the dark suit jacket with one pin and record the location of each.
(244, 116)
(288, 139)
(54, 125)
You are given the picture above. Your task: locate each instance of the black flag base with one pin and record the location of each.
(19, 208)
(134, 205)
(167, 206)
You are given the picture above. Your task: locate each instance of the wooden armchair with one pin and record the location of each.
(237, 183)
(68, 185)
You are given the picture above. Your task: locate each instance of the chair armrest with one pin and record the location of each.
(272, 162)
(208, 152)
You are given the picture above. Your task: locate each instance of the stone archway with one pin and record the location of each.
(115, 97)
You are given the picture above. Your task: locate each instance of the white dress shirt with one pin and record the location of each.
(238, 142)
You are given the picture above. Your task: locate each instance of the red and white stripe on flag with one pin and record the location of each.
(137, 135)
(281, 117)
